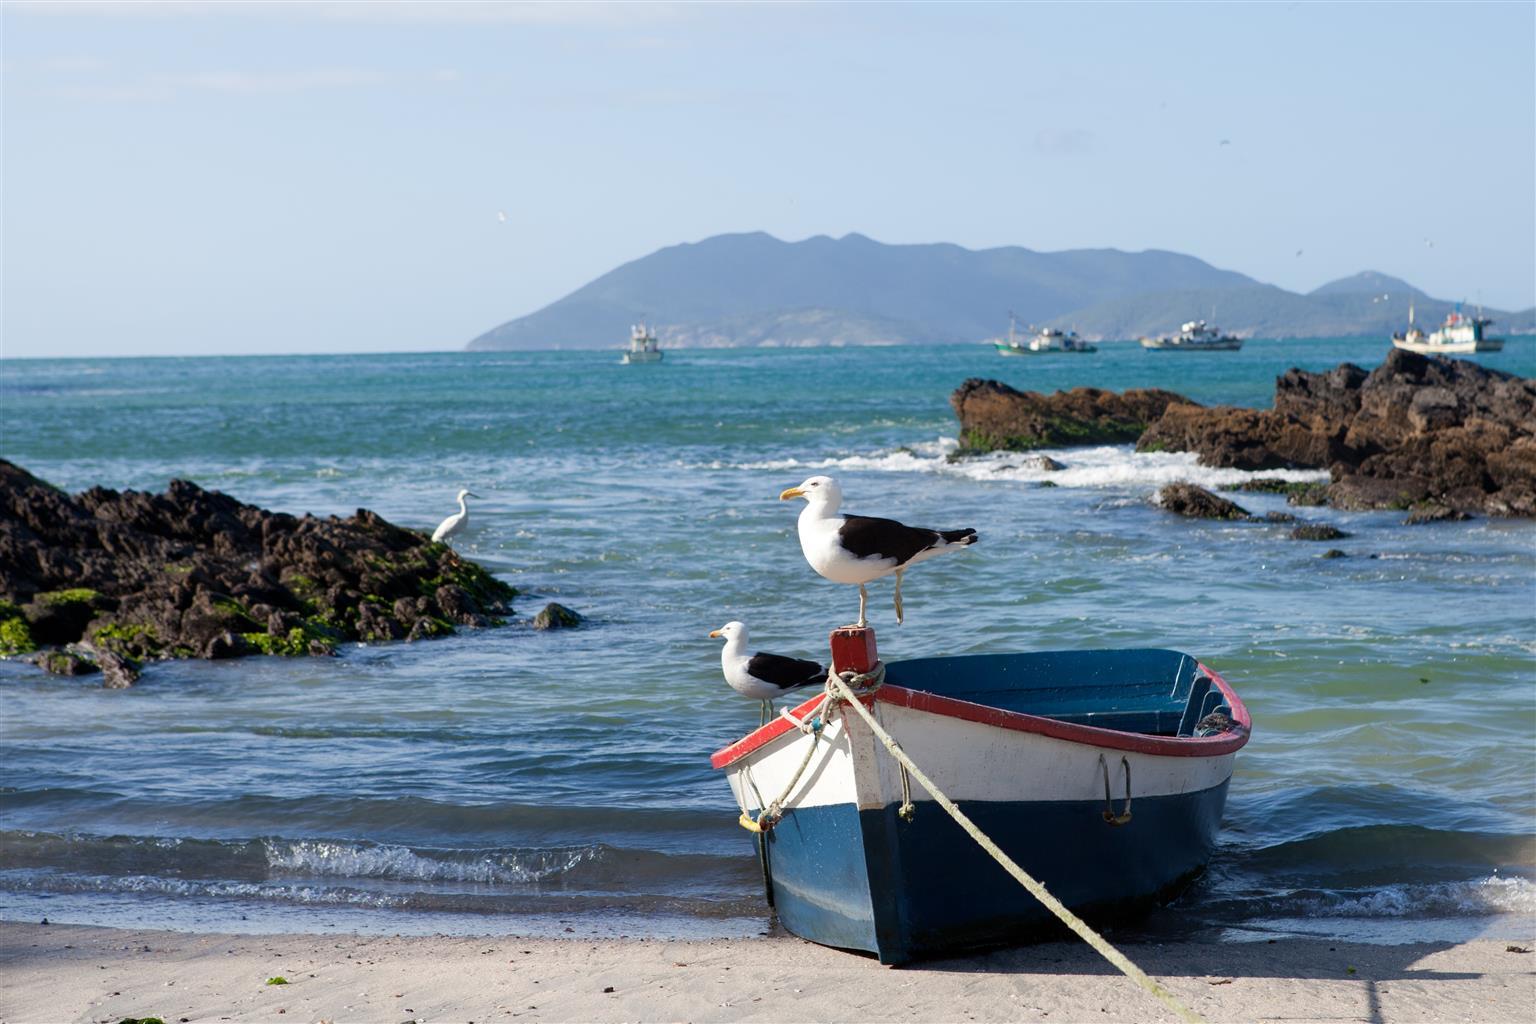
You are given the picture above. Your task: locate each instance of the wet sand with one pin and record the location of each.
(57, 973)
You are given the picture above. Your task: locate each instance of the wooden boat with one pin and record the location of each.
(1103, 773)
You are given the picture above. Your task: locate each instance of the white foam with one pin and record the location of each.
(348, 860)
(1495, 894)
(1102, 467)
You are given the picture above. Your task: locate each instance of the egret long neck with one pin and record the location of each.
(463, 508)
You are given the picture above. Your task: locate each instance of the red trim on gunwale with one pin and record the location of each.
(1092, 735)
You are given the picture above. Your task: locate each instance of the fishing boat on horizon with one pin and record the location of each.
(643, 347)
(1045, 340)
(1194, 336)
(1102, 773)
(1459, 334)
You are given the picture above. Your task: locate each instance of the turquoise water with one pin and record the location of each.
(511, 781)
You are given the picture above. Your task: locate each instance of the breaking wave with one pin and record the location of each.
(1105, 466)
(315, 869)
(1495, 894)
(355, 860)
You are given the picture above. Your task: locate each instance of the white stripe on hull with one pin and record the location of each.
(970, 760)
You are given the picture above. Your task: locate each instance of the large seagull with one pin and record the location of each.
(857, 549)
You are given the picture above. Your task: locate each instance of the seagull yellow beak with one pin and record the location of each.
(715, 632)
(793, 492)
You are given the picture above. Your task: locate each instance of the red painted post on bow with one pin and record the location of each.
(853, 649)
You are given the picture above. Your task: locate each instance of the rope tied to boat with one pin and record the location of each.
(813, 724)
(850, 698)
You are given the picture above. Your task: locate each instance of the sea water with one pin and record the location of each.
(510, 781)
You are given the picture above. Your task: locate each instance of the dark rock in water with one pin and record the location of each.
(1333, 553)
(118, 673)
(1296, 493)
(223, 645)
(1279, 517)
(1044, 463)
(995, 416)
(63, 663)
(1308, 495)
(1251, 439)
(195, 573)
(557, 616)
(1187, 499)
(1434, 513)
(1415, 430)
(1317, 531)
(1263, 485)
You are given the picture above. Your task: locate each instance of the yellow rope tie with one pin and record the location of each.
(1055, 906)
(813, 724)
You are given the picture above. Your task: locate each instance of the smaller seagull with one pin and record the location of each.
(456, 522)
(1225, 142)
(762, 676)
(501, 215)
(1300, 251)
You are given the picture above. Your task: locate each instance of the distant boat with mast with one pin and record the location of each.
(643, 347)
(1043, 341)
(1459, 334)
(1194, 336)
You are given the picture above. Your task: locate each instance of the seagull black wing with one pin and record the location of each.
(783, 672)
(869, 537)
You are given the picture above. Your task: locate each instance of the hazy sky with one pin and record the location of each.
(257, 177)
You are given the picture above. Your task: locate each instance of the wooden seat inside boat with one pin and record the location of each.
(1149, 691)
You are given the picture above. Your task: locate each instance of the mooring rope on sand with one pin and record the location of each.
(1024, 878)
(845, 688)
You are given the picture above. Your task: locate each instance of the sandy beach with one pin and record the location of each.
(72, 973)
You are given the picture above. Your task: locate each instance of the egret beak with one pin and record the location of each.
(793, 492)
(715, 632)
(472, 494)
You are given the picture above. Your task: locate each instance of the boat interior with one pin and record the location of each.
(1148, 691)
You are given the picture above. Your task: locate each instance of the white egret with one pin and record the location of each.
(456, 522)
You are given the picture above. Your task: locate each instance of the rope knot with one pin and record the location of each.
(860, 683)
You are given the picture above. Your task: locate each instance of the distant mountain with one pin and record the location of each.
(1368, 282)
(753, 289)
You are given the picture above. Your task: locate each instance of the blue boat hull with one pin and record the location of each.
(867, 880)
(1033, 748)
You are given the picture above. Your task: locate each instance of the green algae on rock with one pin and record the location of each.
(196, 573)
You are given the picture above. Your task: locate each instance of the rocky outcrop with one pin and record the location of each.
(1295, 493)
(1417, 430)
(1434, 513)
(1317, 531)
(995, 416)
(557, 616)
(1191, 500)
(126, 577)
